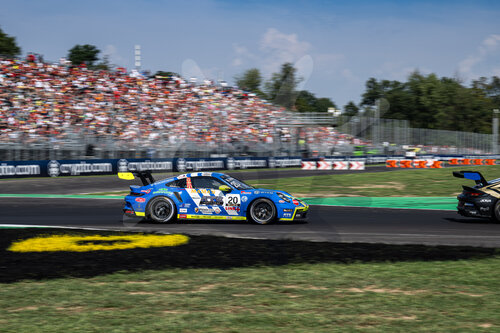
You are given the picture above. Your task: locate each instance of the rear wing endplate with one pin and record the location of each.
(472, 175)
(145, 176)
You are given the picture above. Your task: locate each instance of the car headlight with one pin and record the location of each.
(283, 197)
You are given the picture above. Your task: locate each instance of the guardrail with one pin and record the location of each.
(58, 168)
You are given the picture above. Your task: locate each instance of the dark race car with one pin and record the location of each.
(481, 200)
(208, 195)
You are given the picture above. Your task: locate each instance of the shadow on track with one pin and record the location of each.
(471, 220)
(206, 252)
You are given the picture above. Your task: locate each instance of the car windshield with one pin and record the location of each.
(237, 184)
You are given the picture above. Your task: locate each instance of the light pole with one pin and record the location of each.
(494, 130)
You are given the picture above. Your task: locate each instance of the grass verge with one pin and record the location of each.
(237, 285)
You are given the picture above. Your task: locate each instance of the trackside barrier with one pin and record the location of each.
(475, 161)
(340, 165)
(356, 165)
(324, 165)
(418, 164)
(308, 165)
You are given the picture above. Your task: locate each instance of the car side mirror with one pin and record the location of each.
(224, 188)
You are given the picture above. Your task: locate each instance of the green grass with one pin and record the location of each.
(418, 183)
(439, 296)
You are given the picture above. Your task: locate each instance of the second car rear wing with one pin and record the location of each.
(145, 176)
(472, 175)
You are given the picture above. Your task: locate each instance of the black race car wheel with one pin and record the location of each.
(161, 210)
(495, 216)
(262, 211)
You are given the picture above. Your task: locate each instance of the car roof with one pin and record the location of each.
(192, 174)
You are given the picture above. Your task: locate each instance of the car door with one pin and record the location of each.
(209, 199)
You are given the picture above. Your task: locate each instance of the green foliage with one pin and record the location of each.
(83, 54)
(428, 101)
(281, 88)
(307, 102)
(8, 45)
(104, 64)
(351, 109)
(164, 74)
(250, 80)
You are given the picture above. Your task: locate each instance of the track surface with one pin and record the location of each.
(335, 224)
(73, 185)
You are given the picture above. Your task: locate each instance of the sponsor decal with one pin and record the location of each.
(485, 200)
(149, 165)
(53, 168)
(287, 214)
(76, 169)
(206, 174)
(295, 202)
(20, 170)
(256, 192)
(196, 210)
(186, 205)
(95, 243)
(206, 210)
(181, 176)
(188, 183)
(244, 198)
(281, 201)
(233, 208)
(204, 191)
(146, 191)
(217, 210)
(183, 210)
(182, 216)
(163, 191)
(288, 210)
(140, 200)
(243, 192)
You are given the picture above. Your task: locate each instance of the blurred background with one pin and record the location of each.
(147, 80)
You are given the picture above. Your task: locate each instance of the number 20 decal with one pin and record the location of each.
(232, 200)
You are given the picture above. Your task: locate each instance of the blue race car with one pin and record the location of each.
(208, 195)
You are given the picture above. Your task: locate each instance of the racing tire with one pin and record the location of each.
(161, 210)
(262, 211)
(495, 216)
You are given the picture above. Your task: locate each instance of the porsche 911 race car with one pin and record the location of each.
(208, 195)
(482, 200)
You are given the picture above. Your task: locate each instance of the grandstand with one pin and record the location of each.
(56, 111)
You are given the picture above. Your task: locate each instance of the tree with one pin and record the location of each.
(104, 64)
(8, 45)
(250, 80)
(83, 54)
(323, 104)
(351, 109)
(306, 101)
(281, 88)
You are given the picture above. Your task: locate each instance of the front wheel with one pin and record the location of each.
(161, 210)
(495, 216)
(262, 211)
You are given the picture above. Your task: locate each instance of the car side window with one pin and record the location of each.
(206, 182)
(181, 183)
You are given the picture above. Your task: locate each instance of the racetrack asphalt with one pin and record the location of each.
(96, 184)
(325, 223)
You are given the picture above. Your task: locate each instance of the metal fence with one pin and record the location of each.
(378, 136)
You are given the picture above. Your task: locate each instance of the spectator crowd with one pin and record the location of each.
(56, 102)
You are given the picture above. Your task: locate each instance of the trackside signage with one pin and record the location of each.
(60, 168)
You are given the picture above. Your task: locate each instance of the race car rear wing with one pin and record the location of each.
(145, 176)
(472, 175)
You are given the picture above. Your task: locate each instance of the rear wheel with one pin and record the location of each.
(262, 211)
(161, 210)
